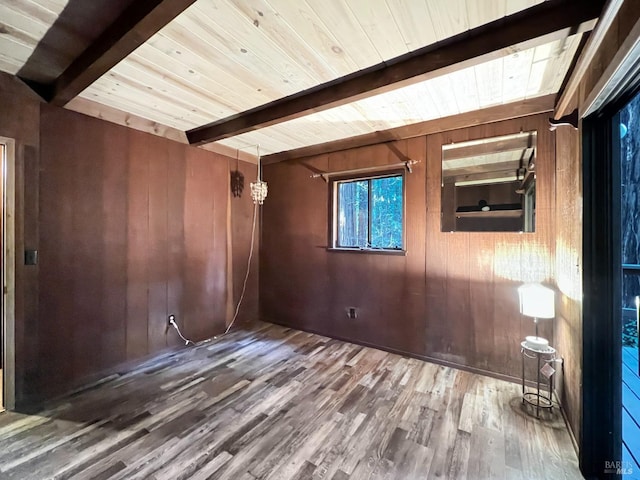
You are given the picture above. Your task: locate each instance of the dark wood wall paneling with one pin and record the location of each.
(19, 120)
(133, 227)
(452, 297)
(130, 227)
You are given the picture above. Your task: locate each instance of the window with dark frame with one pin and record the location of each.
(369, 212)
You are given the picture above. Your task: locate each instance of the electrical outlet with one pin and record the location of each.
(352, 312)
(170, 319)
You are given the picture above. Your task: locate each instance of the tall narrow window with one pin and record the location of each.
(369, 213)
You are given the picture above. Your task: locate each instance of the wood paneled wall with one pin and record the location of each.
(452, 297)
(569, 270)
(19, 120)
(133, 227)
(129, 227)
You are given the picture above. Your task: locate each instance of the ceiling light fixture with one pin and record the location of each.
(258, 188)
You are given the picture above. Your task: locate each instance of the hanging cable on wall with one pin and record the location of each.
(246, 277)
(258, 194)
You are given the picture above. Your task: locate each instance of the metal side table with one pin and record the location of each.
(539, 398)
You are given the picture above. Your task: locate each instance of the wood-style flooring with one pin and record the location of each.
(268, 402)
(631, 411)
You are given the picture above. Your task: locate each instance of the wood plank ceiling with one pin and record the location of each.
(220, 58)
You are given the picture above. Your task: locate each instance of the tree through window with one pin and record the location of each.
(369, 213)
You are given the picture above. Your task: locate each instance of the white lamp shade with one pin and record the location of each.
(537, 301)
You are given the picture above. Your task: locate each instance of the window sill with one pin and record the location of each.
(376, 251)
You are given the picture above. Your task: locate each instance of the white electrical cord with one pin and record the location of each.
(256, 203)
(172, 318)
(172, 322)
(246, 277)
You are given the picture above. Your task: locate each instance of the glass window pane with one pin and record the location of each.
(353, 213)
(386, 212)
(630, 217)
(630, 173)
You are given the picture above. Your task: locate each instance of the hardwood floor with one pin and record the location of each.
(275, 403)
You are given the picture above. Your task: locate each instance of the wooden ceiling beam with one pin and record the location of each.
(136, 24)
(539, 24)
(498, 113)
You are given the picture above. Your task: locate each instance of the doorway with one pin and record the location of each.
(628, 122)
(7, 243)
(608, 434)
